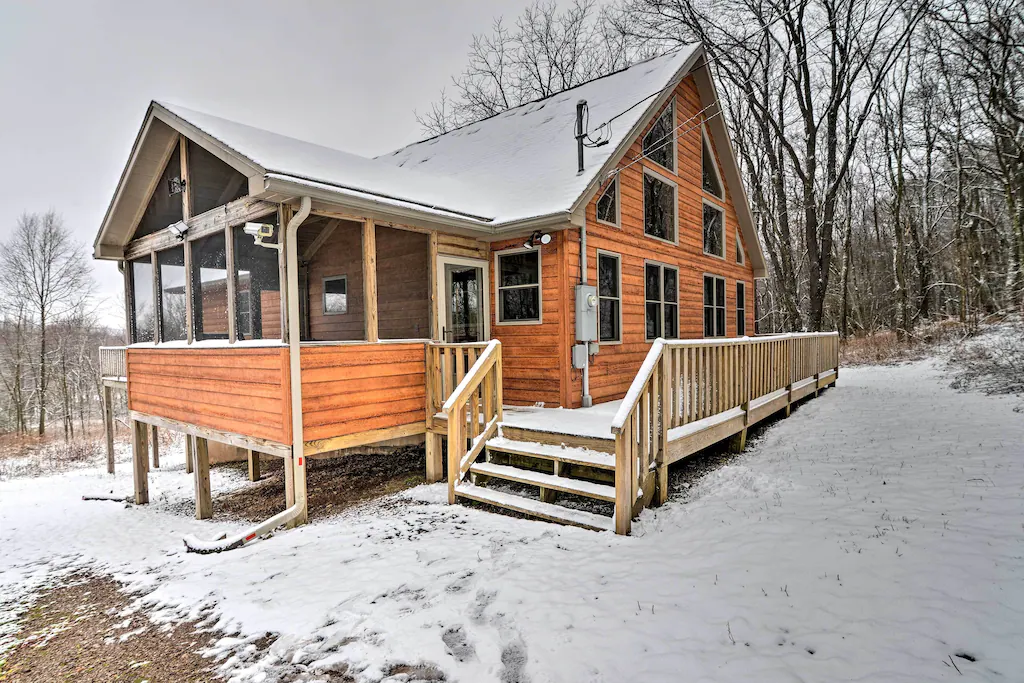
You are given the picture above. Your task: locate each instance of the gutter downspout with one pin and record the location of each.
(295, 514)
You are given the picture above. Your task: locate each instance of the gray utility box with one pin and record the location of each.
(586, 313)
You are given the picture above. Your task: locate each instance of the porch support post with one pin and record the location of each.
(435, 328)
(370, 279)
(108, 425)
(254, 465)
(665, 416)
(435, 458)
(140, 461)
(156, 447)
(204, 503)
(189, 454)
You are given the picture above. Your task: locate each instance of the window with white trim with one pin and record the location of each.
(519, 287)
(608, 204)
(609, 296)
(659, 143)
(661, 301)
(659, 207)
(739, 249)
(741, 309)
(336, 295)
(714, 306)
(714, 230)
(711, 179)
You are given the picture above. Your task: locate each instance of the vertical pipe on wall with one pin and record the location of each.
(294, 336)
(586, 399)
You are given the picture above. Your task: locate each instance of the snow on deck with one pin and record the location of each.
(874, 535)
(595, 421)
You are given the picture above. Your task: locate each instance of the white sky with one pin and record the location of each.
(77, 76)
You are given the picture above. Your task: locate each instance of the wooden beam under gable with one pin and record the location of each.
(321, 239)
(214, 220)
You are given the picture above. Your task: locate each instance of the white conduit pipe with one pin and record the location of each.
(196, 545)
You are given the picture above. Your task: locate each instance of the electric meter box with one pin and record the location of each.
(586, 313)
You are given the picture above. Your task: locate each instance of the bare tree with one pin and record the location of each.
(42, 268)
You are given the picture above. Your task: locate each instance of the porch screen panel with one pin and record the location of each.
(213, 182)
(403, 284)
(172, 293)
(257, 285)
(338, 258)
(142, 300)
(210, 287)
(164, 206)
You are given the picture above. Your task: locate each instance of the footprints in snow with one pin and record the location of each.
(457, 641)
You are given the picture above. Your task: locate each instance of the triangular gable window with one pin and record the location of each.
(739, 249)
(608, 204)
(164, 208)
(214, 183)
(711, 179)
(659, 143)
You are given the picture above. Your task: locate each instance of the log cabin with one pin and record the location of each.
(557, 300)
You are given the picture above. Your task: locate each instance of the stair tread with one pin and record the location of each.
(573, 454)
(550, 481)
(535, 508)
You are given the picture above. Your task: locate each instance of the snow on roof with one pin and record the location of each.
(525, 158)
(516, 165)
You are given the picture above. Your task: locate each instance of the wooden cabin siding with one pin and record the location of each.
(613, 369)
(238, 390)
(534, 355)
(341, 254)
(352, 388)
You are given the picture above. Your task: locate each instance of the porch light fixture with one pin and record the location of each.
(536, 238)
(175, 185)
(261, 232)
(179, 230)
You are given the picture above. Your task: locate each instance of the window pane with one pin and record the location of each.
(336, 296)
(739, 249)
(671, 292)
(609, 319)
(713, 235)
(172, 293)
(741, 323)
(659, 141)
(653, 321)
(719, 322)
(403, 283)
(708, 176)
(210, 288)
(607, 276)
(719, 292)
(142, 300)
(671, 321)
(520, 304)
(606, 206)
(519, 269)
(709, 290)
(659, 208)
(257, 285)
(653, 286)
(709, 321)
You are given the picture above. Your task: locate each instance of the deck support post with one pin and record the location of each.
(548, 495)
(623, 488)
(665, 417)
(817, 376)
(435, 458)
(189, 457)
(254, 464)
(738, 441)
(789, 399)
(156, 447)
(204, 504)
(140, 461)
(108, 425)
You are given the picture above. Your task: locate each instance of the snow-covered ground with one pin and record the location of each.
(875, 535)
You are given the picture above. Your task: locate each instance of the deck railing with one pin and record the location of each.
(472, 410)
(113, 363)
(447, 365)
(684, 382)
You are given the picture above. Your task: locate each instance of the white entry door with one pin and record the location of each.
(462, 305)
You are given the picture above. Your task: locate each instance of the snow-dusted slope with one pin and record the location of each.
(874, 535)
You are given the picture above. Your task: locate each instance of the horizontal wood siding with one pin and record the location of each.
(341, 254)
(355, 388)
(532, 354)
(241, 390)
(614, 368)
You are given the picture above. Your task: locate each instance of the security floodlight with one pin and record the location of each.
(536, 238)
(179, 230)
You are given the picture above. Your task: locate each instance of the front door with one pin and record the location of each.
(462, 306)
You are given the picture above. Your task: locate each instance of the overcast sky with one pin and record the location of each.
(76, 78)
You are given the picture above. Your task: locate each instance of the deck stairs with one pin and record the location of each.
(547, 475)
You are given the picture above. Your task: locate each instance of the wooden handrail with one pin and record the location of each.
(472, 413)
(684, 381)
